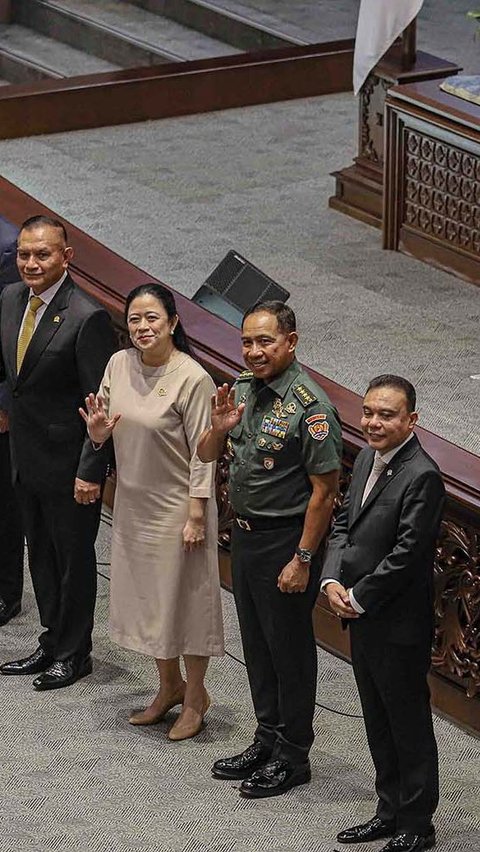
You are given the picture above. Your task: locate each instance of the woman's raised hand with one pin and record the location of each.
(99, 426)
(225, 414)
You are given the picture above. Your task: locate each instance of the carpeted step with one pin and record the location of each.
(118, 32)
(26, 55)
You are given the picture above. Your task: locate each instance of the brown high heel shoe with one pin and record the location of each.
(182, 731)
(144, 717)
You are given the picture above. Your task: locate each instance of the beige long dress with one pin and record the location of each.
(163, 601)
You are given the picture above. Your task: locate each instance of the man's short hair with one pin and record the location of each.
(286, 320)
(37, 221)
(388, 380)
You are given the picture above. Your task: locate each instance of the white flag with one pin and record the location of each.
(380, 22)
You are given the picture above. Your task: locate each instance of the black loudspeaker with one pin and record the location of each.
(234, 286)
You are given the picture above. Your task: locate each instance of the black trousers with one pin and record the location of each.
(61, 537)
(392, 682)
(278, 640)
(11, 532)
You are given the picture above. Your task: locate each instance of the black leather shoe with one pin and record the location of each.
(242, 765)
(374, 829)
(275, 778)
(405, 841)
(36, 662)
(63, 673)
(8, 611)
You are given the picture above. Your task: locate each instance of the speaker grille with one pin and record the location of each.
(242, 284)
(226, 271)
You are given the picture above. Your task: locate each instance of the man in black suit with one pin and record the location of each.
(55, 342)
(378, 576)
(11, 533)
(8, 252)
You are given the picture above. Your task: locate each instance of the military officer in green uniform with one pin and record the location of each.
(285, 441)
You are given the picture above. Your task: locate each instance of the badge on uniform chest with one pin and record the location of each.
(279, 411)
(274, 426)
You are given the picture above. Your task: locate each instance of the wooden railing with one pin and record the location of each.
(173, 89)
(455, 680)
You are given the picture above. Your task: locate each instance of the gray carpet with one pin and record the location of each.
(174, 196)
(77, 776)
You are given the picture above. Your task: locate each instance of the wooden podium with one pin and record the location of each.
(359, 187)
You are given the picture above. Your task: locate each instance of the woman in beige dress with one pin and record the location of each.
(165, 594)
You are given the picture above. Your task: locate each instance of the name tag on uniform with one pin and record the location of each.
(274, 426)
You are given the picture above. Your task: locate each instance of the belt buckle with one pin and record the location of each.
(243, 524)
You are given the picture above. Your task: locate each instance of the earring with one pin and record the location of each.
(172, 332)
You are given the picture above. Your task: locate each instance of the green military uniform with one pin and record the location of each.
(288, 432)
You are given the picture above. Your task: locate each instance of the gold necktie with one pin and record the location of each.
(26, 333)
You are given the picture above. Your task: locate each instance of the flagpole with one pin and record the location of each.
(409, 45)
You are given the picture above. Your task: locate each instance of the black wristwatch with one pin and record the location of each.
(304, 554)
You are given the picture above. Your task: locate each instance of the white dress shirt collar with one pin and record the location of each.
(48, 294)
(387, 457)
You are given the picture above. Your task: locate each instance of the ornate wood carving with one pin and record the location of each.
(442, 190)
(456, 648)
(432, 186)
(359, 187)
(372, 103)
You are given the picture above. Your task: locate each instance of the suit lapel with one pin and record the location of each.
(361, 481)
(48, 326)
(385, 479)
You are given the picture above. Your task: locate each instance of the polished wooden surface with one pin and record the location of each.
(455, 678)
(432, 191)
(174, 89)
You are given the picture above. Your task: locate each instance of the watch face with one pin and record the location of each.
(304, 554)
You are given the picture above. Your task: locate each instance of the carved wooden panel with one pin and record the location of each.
(372, 103)
(457, 605)
(442, 191)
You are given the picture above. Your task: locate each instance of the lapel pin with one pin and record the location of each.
(56, 318)
(389, 472)
(162, 392)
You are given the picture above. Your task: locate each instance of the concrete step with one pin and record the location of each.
(116, 31)
(235, 25)
(27, 56)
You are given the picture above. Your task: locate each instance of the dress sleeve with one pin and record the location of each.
(196, 413)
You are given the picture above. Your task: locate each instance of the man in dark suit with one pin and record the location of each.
(11, 533)
(378, 576)
(8, 252)
(55, 343)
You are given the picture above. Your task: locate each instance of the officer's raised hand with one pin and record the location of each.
(225, 414)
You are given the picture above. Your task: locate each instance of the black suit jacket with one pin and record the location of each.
(8, 252)
(384, 550)
(64, 362)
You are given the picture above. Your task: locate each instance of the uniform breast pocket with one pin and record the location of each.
(236, 432)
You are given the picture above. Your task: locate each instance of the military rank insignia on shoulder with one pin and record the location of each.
(305, 395)
(244, 376)
(318, 426)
